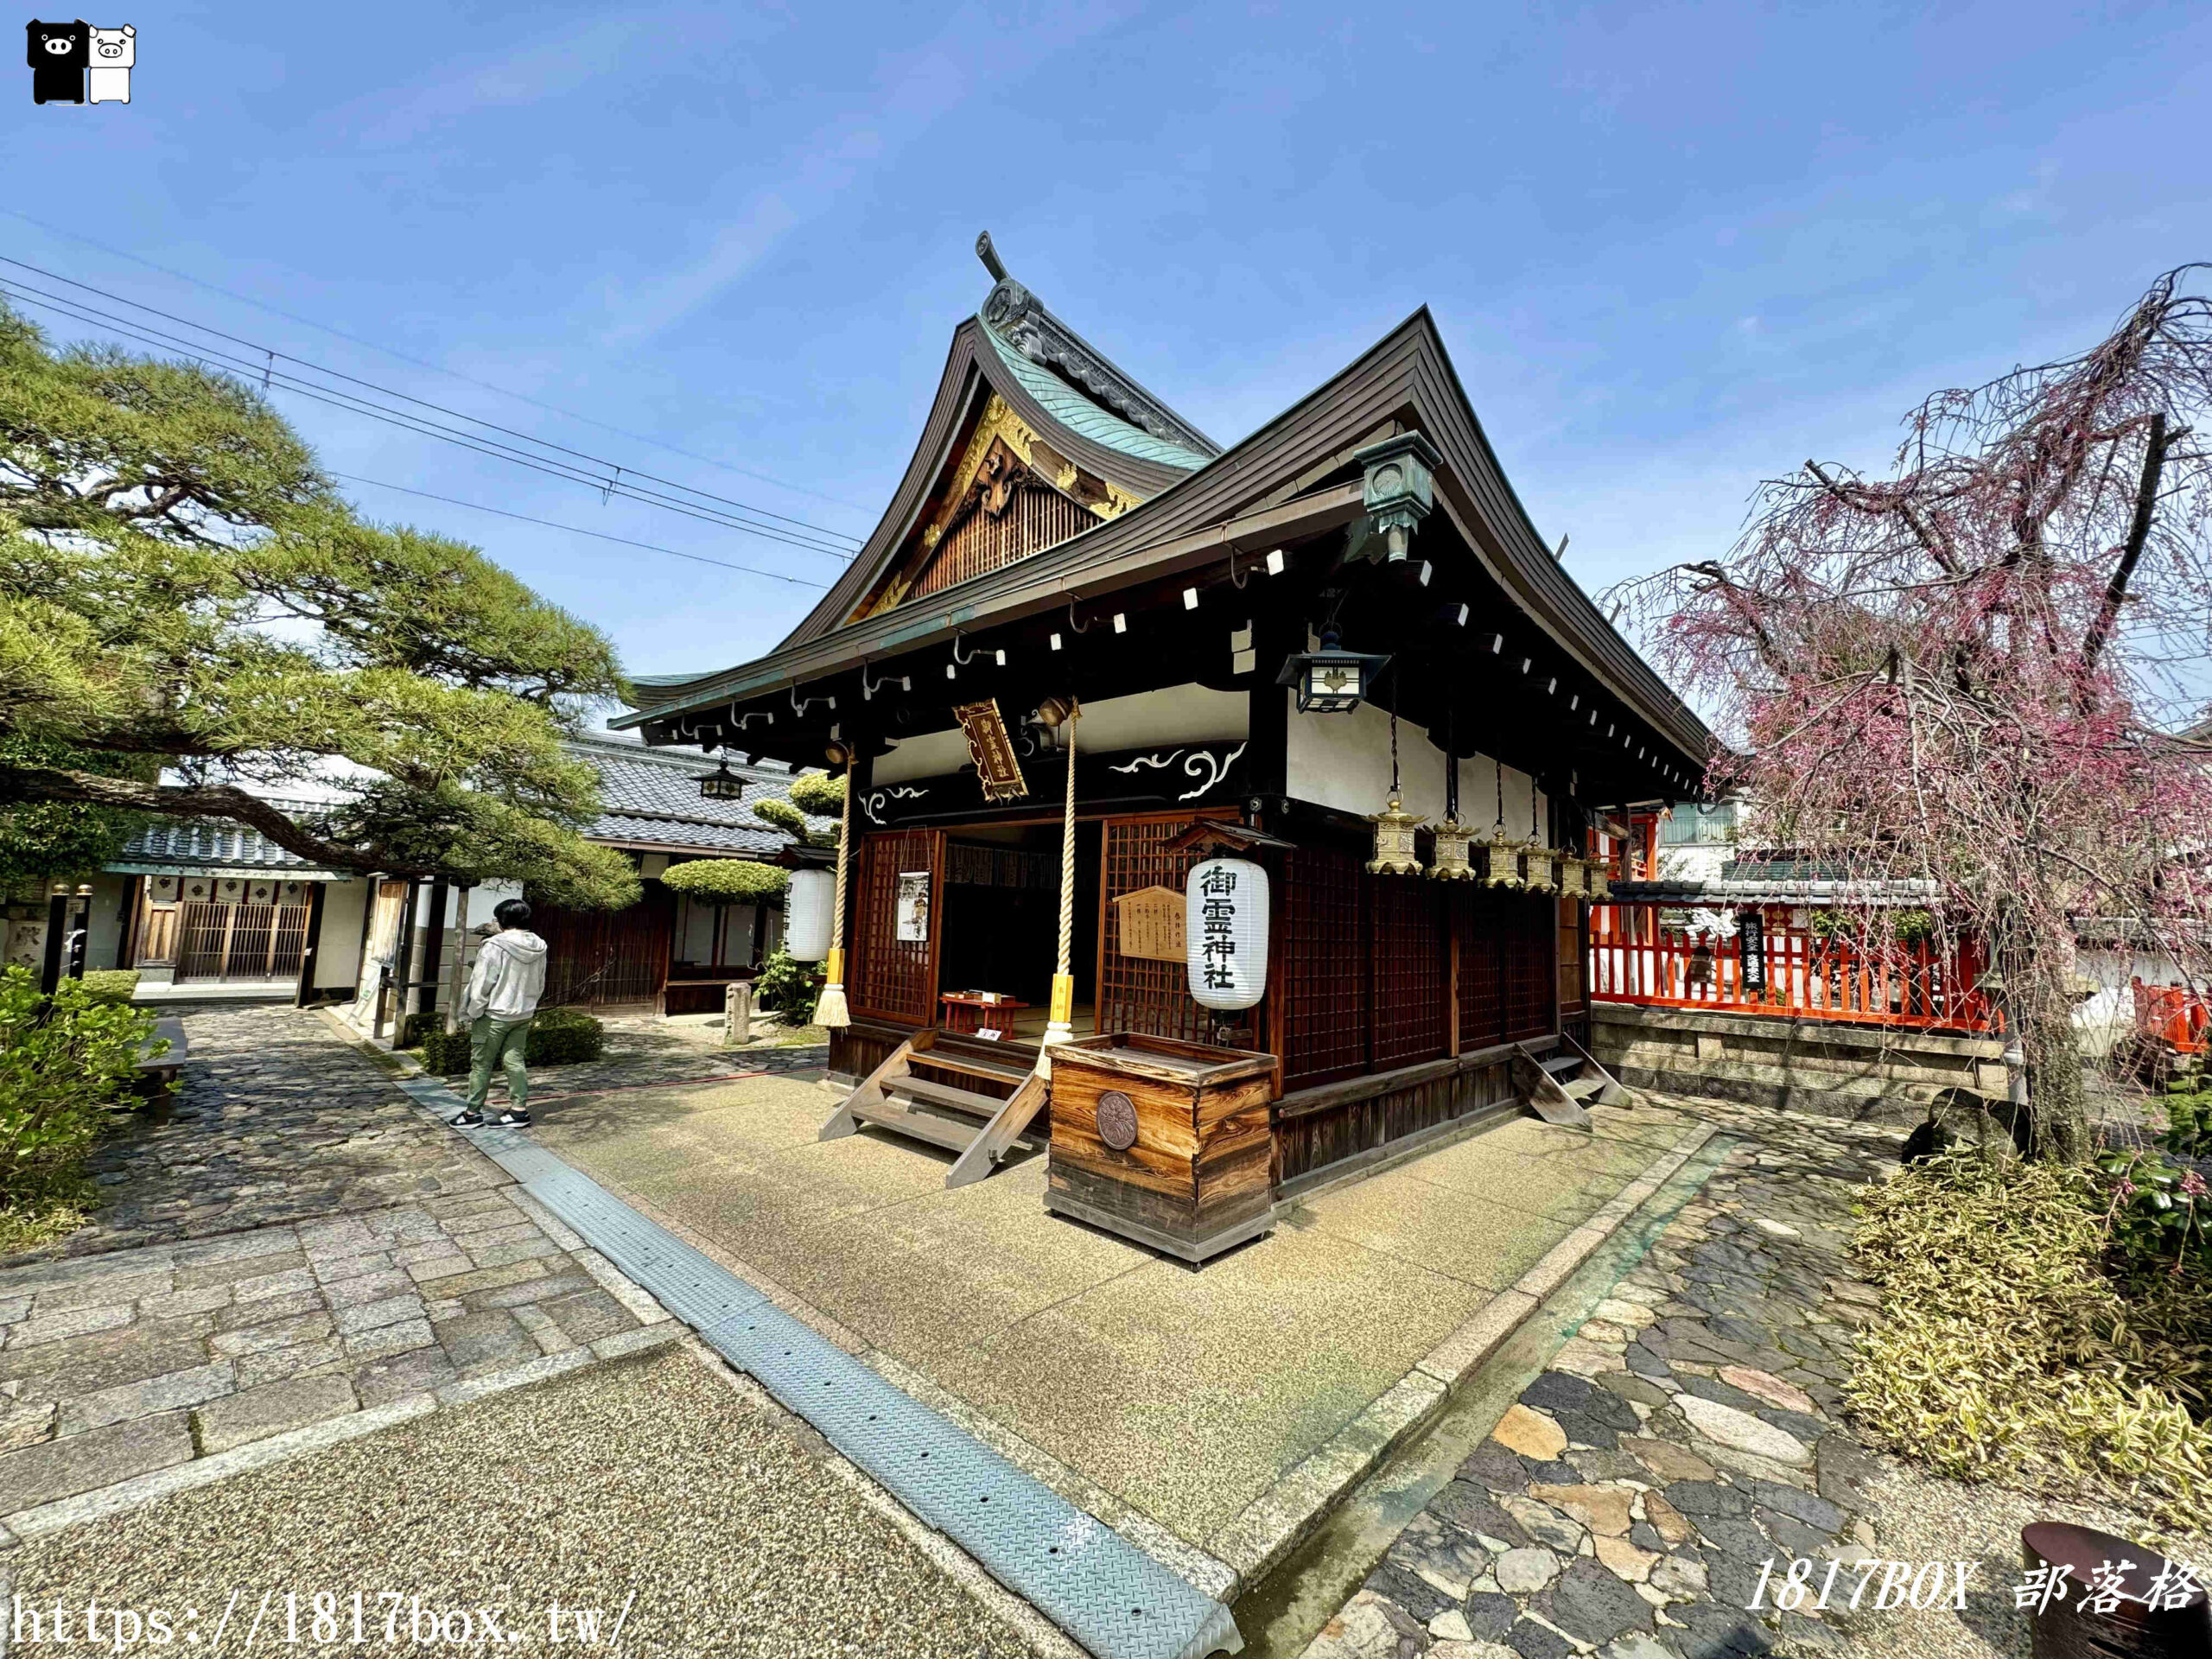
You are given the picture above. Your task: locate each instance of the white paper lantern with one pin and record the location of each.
(806, 915)
(1225, 932)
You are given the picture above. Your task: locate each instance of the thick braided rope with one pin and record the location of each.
(844, 846)
(1067, 861)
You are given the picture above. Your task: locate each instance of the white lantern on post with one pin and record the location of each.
(807, 905)
(1225, 932)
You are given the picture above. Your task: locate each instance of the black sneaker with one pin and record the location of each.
(511, 1119)
(471, 1119)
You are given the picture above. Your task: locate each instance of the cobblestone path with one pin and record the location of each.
(1688, 1433)
(274, 1120)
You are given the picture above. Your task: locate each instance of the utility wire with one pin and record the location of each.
(577, 530)
(269, 355)
(276, 379)
(435, 368)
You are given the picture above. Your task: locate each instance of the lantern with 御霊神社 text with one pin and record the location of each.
(1226, 933)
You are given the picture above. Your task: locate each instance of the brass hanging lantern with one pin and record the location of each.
(1501, 860)
(1574, 876)
(1451, 865)
(1601, 886)
(1393, 842)
(1542, 868)
(1452, 837)
(1394, 828)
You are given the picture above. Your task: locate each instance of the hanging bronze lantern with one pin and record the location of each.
(1601, 886)
(1393, 842)
(1501, 860)
(1542, 867)
(1451, 864)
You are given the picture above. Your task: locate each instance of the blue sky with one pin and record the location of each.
(1673, 250)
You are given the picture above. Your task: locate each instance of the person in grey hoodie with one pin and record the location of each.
(498, 1006)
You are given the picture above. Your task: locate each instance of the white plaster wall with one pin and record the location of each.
(1179, 714)
(338, 953)
(103, 930)
(1344, 761)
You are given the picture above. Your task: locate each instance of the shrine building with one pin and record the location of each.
(1336, 653)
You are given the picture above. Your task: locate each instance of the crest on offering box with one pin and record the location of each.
(991, 750)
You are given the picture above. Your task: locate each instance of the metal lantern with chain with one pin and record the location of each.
(1501, 854)
(1393, 827)
(1540, 866)
(721, 784)
(1452, 837)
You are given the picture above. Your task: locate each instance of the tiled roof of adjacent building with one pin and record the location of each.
(211, 843)
(650, 797)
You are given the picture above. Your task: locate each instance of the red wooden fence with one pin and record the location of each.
(1634, 959)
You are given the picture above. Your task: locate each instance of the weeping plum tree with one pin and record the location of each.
(1984, 667)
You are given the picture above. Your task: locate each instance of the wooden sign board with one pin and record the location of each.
(991, 749)
(1151, 924)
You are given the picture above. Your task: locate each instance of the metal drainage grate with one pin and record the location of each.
(1105, 1592)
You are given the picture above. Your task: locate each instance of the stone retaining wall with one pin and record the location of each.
(1787, 1064)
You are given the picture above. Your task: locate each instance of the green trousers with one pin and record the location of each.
(498, 1042)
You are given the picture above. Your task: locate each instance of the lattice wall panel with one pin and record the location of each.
(1409, 967)
(891, 979)
(1482, 1015)
(1530, 987)
(1035, 518)
(1324, 975)
(1138, 993)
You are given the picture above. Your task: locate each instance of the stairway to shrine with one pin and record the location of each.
(983, 1115)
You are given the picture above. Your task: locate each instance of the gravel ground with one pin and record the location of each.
(1924, 1518)
(724, 1518)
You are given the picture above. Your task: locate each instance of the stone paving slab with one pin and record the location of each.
(273, 1122)
(1689, 1432)
(118, 1366)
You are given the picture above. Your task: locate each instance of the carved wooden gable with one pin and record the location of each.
(1009, 495)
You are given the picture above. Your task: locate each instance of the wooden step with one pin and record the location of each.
(944, 1094)
(952, 1134)
(1556, 1063)
(975, 1065)
(1583, 1088)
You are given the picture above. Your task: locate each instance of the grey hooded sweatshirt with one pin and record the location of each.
(508, 979)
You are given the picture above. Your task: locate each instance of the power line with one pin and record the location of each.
(274, 379)
(268, 356)
(435, 368)
(577, 530)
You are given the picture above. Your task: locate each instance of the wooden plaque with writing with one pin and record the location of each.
(1151, 924)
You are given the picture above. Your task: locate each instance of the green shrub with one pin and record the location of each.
(558, 1037)
(62, 1065)
(112, 986)
(2014, 1341)
(818, 795)
(789, 987)
(727, 880)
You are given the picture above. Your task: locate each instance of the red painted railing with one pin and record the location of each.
(1633, 959)
(2172, 1014)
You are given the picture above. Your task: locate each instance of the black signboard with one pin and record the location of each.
(1750, 948)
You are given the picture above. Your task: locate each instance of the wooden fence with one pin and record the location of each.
(1634, 959)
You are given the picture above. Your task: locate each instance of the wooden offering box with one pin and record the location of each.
(1165, 1142)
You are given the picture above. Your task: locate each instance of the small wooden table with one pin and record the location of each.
(972, 1011)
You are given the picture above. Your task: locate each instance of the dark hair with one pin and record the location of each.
(511, 912)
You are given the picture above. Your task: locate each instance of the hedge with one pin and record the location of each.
(818, 795)
(112, 986)
(727, 880)
(558, 1037)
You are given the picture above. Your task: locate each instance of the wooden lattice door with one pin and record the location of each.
(891, 978)
(1143, 994)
